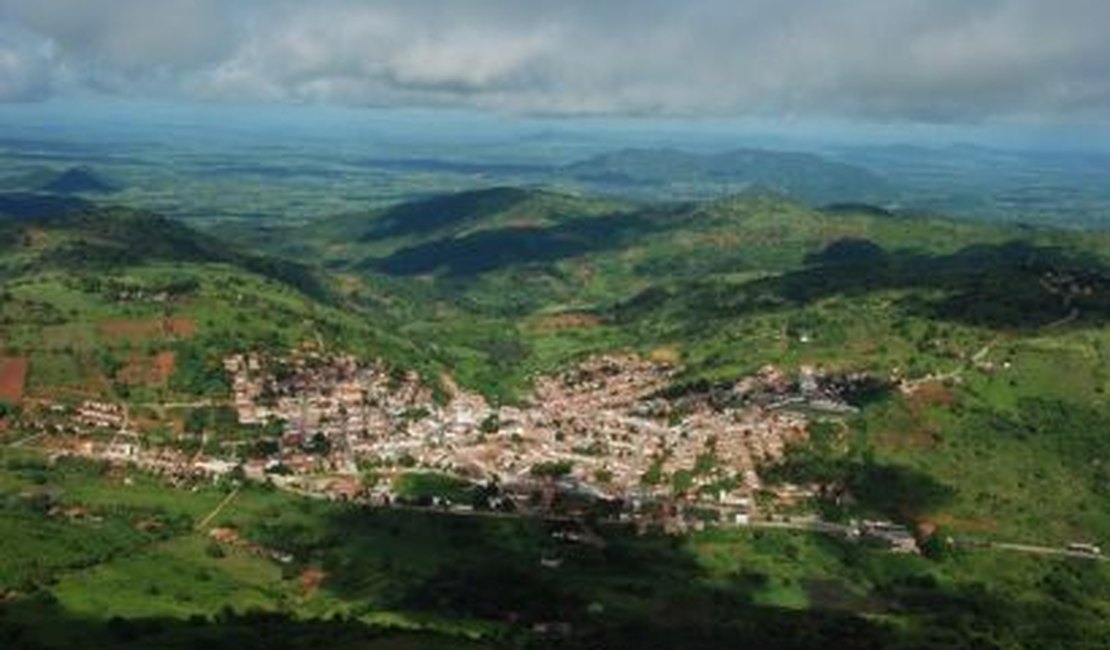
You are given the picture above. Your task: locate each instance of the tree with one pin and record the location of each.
(196, 421)
(552, 469)
(319, 444)
(214, 550)
(654, 474)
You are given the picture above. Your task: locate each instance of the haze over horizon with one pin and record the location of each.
(1027, 64)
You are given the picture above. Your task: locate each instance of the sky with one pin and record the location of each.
(1037, 62)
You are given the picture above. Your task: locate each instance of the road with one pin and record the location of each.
(797, 524)
(955, 373)
(1072, 316)
(219, 508)
(1047, 550)
(22, 441)
(196, 404)
(813, 526)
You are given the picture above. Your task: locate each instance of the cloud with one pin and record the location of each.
(29, 69)
(946, 60)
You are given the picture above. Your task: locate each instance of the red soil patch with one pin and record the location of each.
(153, 370)
(163, 365)
(916, 432)
(149, 328)
(225, 536)
(311, 579)
(13, 378)
(179, 326)
(932, 394)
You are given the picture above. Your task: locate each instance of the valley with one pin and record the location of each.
(816, 419)
(581, 325)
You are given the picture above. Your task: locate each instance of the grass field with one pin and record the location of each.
(1006, 442)
(463, 579)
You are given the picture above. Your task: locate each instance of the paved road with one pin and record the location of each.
(805, 525)
(801, 525)
(1047, 550)
(813, 526)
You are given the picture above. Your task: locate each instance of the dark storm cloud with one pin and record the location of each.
(886, 59)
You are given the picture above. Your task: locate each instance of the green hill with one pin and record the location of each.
(984, 418)
(69, 181)
(1014, 318)
(78, 236)
(454, 215)
(28, 205)
(487, 269)
(92, 291)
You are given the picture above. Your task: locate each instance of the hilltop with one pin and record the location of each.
(455, 215)
(95, 297)
(28, 205)
(69, 181)
(1003, 321)
(758, 373)
(67, 234)
(657, 274)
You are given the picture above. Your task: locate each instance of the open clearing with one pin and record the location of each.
(13, 378)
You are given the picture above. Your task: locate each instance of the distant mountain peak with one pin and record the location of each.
(803, 176)
(78, 180)
(459, 211)
(68, 181)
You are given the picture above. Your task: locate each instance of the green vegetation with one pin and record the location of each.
(115, 302)
(424, 487)
(1005, 442)
(140, 574)
(505, 283)
(667, 173)
(552, 469)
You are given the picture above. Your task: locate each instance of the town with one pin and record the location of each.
(606, 427)
(616, 430)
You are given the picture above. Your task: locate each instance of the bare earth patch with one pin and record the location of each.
(311, 579)
(667, 354)
(152, 370)
(953, 523)
(13, 378)
(932, 394)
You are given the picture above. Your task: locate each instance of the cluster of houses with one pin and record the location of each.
(896, 537)
(613, 428)
(611, 425)
(101, 415)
